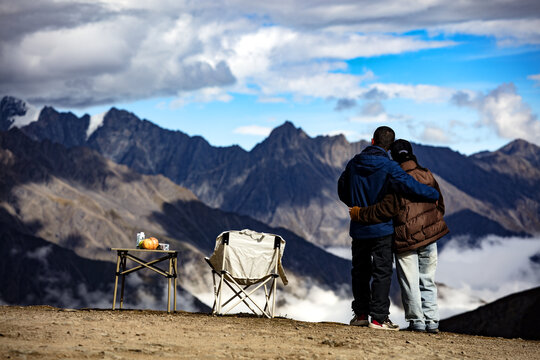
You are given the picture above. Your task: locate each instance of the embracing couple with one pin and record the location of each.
(395, 206)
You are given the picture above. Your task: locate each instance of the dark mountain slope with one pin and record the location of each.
(516, 315)
(63, 128)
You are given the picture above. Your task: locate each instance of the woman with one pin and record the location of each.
(417, 227)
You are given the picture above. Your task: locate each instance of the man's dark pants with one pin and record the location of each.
(372, 258)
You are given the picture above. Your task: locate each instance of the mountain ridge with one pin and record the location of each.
(289, 179)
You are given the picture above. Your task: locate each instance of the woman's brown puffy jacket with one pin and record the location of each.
(416, 224)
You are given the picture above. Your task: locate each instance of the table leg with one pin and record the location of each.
(123, 281)
(169, 286)
(116, 280)
(175, 277)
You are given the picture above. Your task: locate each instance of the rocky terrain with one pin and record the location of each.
(42, 332)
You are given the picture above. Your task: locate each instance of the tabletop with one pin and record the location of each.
(145, 250)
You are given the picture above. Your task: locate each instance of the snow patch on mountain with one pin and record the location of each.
(96, 121)
(31, 115)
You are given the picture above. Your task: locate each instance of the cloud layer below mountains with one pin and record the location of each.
(498, 267)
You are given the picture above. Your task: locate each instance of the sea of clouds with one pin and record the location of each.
(468, 276)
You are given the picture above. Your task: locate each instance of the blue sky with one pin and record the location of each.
(464, 75)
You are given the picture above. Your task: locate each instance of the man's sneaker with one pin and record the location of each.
(432, 331)
(385, 325)
(359, 320)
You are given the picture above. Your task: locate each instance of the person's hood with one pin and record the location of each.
(369, 160)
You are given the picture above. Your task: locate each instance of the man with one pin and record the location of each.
(368, 177)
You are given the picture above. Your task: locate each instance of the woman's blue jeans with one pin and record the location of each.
(416, 275)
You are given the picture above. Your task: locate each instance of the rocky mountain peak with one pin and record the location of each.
(516, 150)
(523, 149)
(286, 129)
(285, 136)
(10, 107)
(120, 119)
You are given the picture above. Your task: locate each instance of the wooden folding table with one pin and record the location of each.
(121, 270)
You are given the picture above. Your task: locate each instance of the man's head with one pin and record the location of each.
(383, 137)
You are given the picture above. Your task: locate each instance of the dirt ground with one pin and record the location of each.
(43, 332)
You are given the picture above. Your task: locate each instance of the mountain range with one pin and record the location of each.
(62, 209)
(289, 179)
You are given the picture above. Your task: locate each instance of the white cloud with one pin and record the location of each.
(351, 136)
(342, 252)
(76, 54)
(504, 110)
(435, 134)
(373, 108)
(386, 16)
(206, 95)
(40, 253)
(317, 304)
(373, 119)
(374, 112)
(508, 32)
(453, 301)
(323, 85)
(535, 78)
(125, 58)
(130, 50)
(253, 130)
(421, 93)
(499, 267)
(271, 100)
(344, 104)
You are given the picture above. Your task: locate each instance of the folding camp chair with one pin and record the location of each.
(242, 259)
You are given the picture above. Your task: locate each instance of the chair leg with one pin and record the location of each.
(266, 298)
(247, 295)
(116, 280)
(220, 291)
(274, 285)
(214, 308)
(238, 294)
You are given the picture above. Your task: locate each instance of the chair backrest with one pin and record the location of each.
(248, 256)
